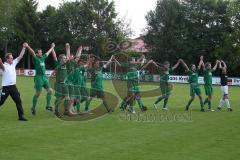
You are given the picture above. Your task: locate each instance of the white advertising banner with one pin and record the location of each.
(154, 78)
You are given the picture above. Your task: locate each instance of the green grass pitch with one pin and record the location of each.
(210, 135)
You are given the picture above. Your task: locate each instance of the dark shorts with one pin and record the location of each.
(166, 88)
(97, 92)
(61, 89)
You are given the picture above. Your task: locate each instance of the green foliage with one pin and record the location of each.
(90, 23)
(190, 28)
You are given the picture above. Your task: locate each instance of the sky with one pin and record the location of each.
(133, 11)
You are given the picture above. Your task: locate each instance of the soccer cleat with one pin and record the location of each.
(202, 110)
(49, 108)
(33, 110)
(219, 108)
(155, 106)
(22, 119)
(165, 109)
(87, 112)
(57, 114)
(229, 109)
(131, 111)
(186, 109)
(110, 110)
(211, 110)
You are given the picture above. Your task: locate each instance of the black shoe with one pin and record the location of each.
(22, 119)
(203, 110)
(218, 108)
(110, 110)
(57, 114)
(186, 109)
(33, 110)
(49, 108)
(230, 109)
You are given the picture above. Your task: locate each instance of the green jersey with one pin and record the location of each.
(79, 76)
(193, 77)
(61, 72)
(208, 76)
(132, 77)
(164, 74)
(96, 78)
(71, 65)
(39, 64)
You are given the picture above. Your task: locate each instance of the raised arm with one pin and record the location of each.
(149, 62)
(118, 63)
(54, 55)
(184, 65)
(200, 63)
(79, 52)
(155, 64)
(31, 50)
(67, 48)
(50, 50)
(1, 65)
(176, 65)
(22, 52)
(109, 61)
(216, 65)
(224, 64)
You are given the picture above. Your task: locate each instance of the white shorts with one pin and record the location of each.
(224, 90)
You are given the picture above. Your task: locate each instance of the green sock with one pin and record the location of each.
(123, 105)
(131, 104)
(165, 103)
(35, 99)
(139, 100)
(189, 103)
(158, 100)
(87, 103)
(56, 105)
(209, 104)
(48, 97)
(78, 106)
(201, 103)
(206, 101)
(65, 104)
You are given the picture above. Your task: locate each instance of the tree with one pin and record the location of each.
(190, 28)
(27, 27)
(7, 23)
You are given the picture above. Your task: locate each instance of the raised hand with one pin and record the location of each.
(53, 45)
(25, 45)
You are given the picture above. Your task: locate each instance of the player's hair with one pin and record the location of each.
(166, 62)
(207, 64)
(8, 55)
(61, 56)
(192, 65)
(38, 49)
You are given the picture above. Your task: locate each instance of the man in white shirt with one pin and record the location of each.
(9, 81)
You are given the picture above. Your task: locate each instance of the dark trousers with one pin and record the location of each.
(13, 92)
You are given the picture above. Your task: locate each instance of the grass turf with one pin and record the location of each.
(210, 135)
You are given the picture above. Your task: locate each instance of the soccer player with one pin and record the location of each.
(207, 72)
(96, 81)
(71, 79)
(9, 81)
(193, 81)
(40, 79)
(81, 80)
(165, 86)
(133, 89)
(224, 86)
(61, 88)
